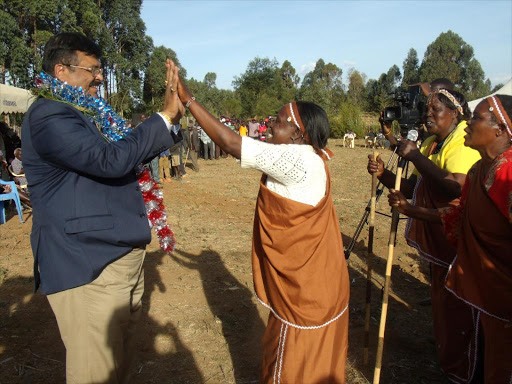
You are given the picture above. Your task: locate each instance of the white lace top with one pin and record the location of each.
(294, 171)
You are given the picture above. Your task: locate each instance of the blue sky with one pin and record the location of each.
(371, 36)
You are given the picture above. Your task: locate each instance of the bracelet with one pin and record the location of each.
(190, 101)
(167, 117)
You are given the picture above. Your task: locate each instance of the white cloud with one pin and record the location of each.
(305, 68)
(348, 63)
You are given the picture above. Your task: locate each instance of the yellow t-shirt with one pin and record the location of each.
(243, 130)
(454, 156)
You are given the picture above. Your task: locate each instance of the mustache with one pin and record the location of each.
(95, 84)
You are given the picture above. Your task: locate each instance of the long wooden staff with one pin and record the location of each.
(389, 265)
(371, 228)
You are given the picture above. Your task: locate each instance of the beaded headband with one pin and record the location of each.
(497, 108)
(293, 115)
(449, 96)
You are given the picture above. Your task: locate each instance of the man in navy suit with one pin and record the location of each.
(90, 226)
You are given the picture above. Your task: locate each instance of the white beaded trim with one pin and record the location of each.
(303, 327)
(278, 349)
(503, 120)
(467, 301)
(326, 154)
(282, 353)
(293, 116)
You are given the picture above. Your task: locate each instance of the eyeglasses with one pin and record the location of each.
(94, 71)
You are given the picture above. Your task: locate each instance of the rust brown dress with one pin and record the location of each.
(481, 274)
(300, 274)
(453, 320)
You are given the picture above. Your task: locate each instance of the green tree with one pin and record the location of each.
(411, 69)
(230, 105)
(258, 79)
(9, 32)
(349, 117)
(379, 92)
(324, 86)
(356, 85)
(127, 52)
(451, 57)
(497, 87)
(154, 78)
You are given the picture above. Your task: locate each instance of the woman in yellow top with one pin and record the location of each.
(243, 130)
(441, 167)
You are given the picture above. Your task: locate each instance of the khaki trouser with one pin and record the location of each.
(164, 170)
(97, 322)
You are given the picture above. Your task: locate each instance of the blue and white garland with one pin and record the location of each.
(113, 127)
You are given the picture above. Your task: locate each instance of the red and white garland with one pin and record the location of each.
(153, 198)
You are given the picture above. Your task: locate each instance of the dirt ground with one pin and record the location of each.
(201, 322)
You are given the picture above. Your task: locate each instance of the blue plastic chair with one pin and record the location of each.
(13, 195)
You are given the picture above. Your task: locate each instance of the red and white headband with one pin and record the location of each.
(293, 115)
(497, 109)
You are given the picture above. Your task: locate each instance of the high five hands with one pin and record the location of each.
(173, 107)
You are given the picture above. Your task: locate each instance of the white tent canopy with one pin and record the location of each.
(505, 90)
(14, 100)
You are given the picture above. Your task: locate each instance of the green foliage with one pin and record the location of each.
(378, 92)
(323, 86)
(267, 105)
(134, 70)
(265, 87)
(356, 86)
(258, 78)
(411, 69)
(451, 57)
(154, 78)
(348, 118)
(497, 87)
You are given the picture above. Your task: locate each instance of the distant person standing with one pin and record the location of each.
(243, 129)
(163, 166)
(208, 145)
(262, 131)
(193, 144)
(253, 129)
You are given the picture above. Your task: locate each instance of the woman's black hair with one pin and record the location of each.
(62, 48)
(315, 121)
(460, 99)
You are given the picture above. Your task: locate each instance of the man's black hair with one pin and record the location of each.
(62, 48)
(315, 121)
(442, 82)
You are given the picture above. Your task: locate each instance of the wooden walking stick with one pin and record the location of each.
(389, 265)
(371, 228)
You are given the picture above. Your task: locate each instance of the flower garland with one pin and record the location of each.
(113, 128)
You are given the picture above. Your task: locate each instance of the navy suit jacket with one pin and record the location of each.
(87, 205)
